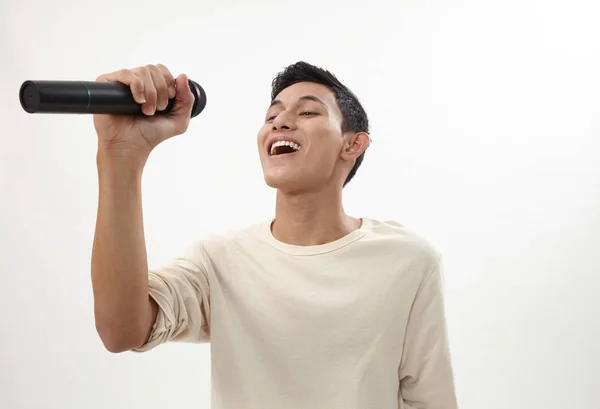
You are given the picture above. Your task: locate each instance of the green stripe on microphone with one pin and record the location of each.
(89, 98)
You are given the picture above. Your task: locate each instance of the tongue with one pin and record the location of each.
(282, 150)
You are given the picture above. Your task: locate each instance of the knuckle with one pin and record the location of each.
(151, 68)
(160, 85)
(164, 70)
(151, 95)
(138, 83)
(141, 71)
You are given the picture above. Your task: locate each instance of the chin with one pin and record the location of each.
(279, 182)
(294, 184)
(283, 182)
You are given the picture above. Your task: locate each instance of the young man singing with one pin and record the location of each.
(313, 308)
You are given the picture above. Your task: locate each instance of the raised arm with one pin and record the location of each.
(124, 310)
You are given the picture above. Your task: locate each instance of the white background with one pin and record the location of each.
(486, 126)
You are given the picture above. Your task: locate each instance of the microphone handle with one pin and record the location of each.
(91, 97)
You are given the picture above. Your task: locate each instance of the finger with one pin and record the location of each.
(162, 91)
(184, 93)
(169, 78)
(128, 78)
(149, 108)
(184, 102)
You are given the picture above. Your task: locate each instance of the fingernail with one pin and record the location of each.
(172, 92)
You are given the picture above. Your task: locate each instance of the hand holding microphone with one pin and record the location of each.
(133, 109)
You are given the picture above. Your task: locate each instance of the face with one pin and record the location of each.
(301, 144)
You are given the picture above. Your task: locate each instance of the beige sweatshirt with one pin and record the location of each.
(358, 323)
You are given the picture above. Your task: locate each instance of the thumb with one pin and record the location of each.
(184, 99)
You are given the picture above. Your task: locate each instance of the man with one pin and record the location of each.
(312, 309)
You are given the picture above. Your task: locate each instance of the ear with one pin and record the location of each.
(354, 145)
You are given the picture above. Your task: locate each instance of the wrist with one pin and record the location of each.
(123, 159)
(115, 170)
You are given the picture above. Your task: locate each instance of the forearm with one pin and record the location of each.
(119, 265)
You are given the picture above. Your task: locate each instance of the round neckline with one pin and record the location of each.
(298, 250)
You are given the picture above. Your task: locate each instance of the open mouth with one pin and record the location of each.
(284, 148)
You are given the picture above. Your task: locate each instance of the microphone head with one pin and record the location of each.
(200, 95)
(29, 96)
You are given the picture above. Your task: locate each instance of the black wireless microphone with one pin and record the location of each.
(91, 97)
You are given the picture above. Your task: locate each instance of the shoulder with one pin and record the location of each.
(227, 240)
(394, 237)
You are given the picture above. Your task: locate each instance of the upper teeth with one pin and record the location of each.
(284, 143)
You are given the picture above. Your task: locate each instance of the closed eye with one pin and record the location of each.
(301, 113)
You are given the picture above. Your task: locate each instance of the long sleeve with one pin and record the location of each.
(425, 374)
(181, 291)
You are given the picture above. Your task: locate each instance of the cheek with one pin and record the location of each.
(260, 137)
(325, 152)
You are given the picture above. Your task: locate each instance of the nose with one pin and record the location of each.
(283, 121)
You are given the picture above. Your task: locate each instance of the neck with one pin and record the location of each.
(310, 219)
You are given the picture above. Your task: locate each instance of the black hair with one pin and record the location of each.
(354, 116)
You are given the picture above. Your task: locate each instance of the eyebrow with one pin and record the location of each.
(303, 98)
